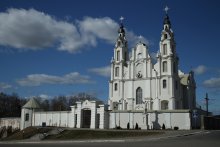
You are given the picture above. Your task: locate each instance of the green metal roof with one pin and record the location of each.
(32, 103)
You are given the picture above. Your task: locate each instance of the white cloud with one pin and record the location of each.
(5, 86)
(39, 79)
(212, 83)
(102, 71)
(33, 30)
(201, 69)
(103, 28)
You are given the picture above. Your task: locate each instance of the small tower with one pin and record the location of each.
(27, 113)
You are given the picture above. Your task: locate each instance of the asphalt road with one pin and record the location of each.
(205, 139)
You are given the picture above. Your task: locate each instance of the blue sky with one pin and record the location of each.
(53, 47)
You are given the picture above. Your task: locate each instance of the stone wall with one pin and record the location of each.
(14, 122)
(151, 119)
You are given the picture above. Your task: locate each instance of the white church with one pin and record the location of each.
(142, 94)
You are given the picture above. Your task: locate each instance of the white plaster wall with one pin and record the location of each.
(153, 120)
(13, 122)
(53, 118)
(25, 124)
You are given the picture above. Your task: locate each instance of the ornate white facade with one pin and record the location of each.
(138, 84)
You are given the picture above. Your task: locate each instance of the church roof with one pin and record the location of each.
(32, 103)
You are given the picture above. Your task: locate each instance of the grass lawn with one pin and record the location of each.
(99, 134)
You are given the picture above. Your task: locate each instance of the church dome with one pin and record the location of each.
(166, 20)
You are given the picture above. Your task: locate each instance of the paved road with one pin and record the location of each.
(205, 139)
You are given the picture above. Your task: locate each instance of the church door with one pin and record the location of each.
(86, 118)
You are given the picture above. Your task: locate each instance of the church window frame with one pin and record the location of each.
(164, 84)
(139, 95)
(165, 36)
(117, 55)
(27, 116)
(164, 66)
(116, 86)
(164, 49)
(116, 71)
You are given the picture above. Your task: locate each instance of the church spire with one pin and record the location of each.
(121, 41)
(121, 28)
(166, 20)
(121, 51)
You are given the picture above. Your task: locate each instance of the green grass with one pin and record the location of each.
(99, 134)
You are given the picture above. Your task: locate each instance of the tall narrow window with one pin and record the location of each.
(165, 66)
(27, 117)
(116, 87)
(165, 49)
(164, 83)
(116, 71)
(118, 55)
(139, 95)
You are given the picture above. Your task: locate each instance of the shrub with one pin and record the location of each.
(176, 128)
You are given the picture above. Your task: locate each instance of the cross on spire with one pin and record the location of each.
(166, 9)
(121, 19)
(140, 38)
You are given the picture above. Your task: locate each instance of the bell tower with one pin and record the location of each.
(168, 60)
(118, 63)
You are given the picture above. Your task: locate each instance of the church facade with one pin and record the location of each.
(142, 94)
(146, 92)
(138, 84)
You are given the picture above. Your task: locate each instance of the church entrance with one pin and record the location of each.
(86, 118)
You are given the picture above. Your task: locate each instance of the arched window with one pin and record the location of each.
(165, 49)
(139, 95)
(164, 83)
(116, 87)
(165, 66)
(165, 36)
(164, 105)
